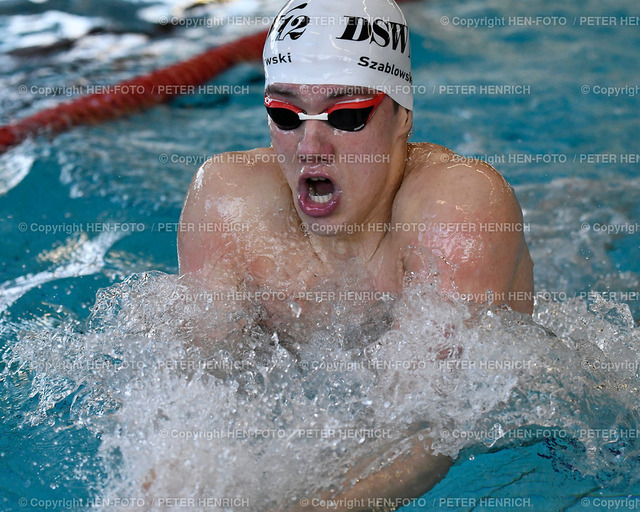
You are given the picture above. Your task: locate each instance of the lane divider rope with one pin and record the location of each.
(136, 94)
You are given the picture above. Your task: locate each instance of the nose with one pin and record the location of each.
(315, 144)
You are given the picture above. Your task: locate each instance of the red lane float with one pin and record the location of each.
(135, 94)
(144, 92)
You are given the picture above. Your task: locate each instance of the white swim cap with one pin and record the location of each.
(361, 43)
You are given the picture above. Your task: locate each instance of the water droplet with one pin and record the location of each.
(295, 309)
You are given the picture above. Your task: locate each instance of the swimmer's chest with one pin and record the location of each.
(295, 269)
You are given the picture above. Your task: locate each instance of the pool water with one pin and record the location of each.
(89, 300)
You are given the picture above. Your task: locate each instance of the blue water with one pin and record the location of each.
(572, 158)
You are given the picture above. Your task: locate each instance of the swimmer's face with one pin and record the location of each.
(338, 176)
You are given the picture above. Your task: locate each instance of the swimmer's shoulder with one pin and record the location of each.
(449, 187)
(469, 216)
(237, 173)
(229, 194)
(247, 182)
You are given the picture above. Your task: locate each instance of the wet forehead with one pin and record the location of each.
(319, 90)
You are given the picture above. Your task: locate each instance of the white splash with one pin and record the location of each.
(15, 165)
(199, 405)
(86, 256)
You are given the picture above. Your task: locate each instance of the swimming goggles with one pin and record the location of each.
(349, 116)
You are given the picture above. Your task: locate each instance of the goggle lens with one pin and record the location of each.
(349, 116)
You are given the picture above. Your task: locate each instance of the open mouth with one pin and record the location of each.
(320, 189)
(318, 195)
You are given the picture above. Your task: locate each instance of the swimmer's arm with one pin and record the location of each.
(476, 234)
(208, 257)
(201, 247)
(407, 476)
(226, 191)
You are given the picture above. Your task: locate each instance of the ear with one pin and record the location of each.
(404, 122)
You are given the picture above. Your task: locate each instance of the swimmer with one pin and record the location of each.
(341, 198)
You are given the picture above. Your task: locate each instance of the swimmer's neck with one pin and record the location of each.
(340, 248)
(358, 240)
(354, 242)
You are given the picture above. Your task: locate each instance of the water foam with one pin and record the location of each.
(185, 413)
(15, 164)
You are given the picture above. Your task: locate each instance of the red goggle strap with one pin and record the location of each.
(375, 101)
